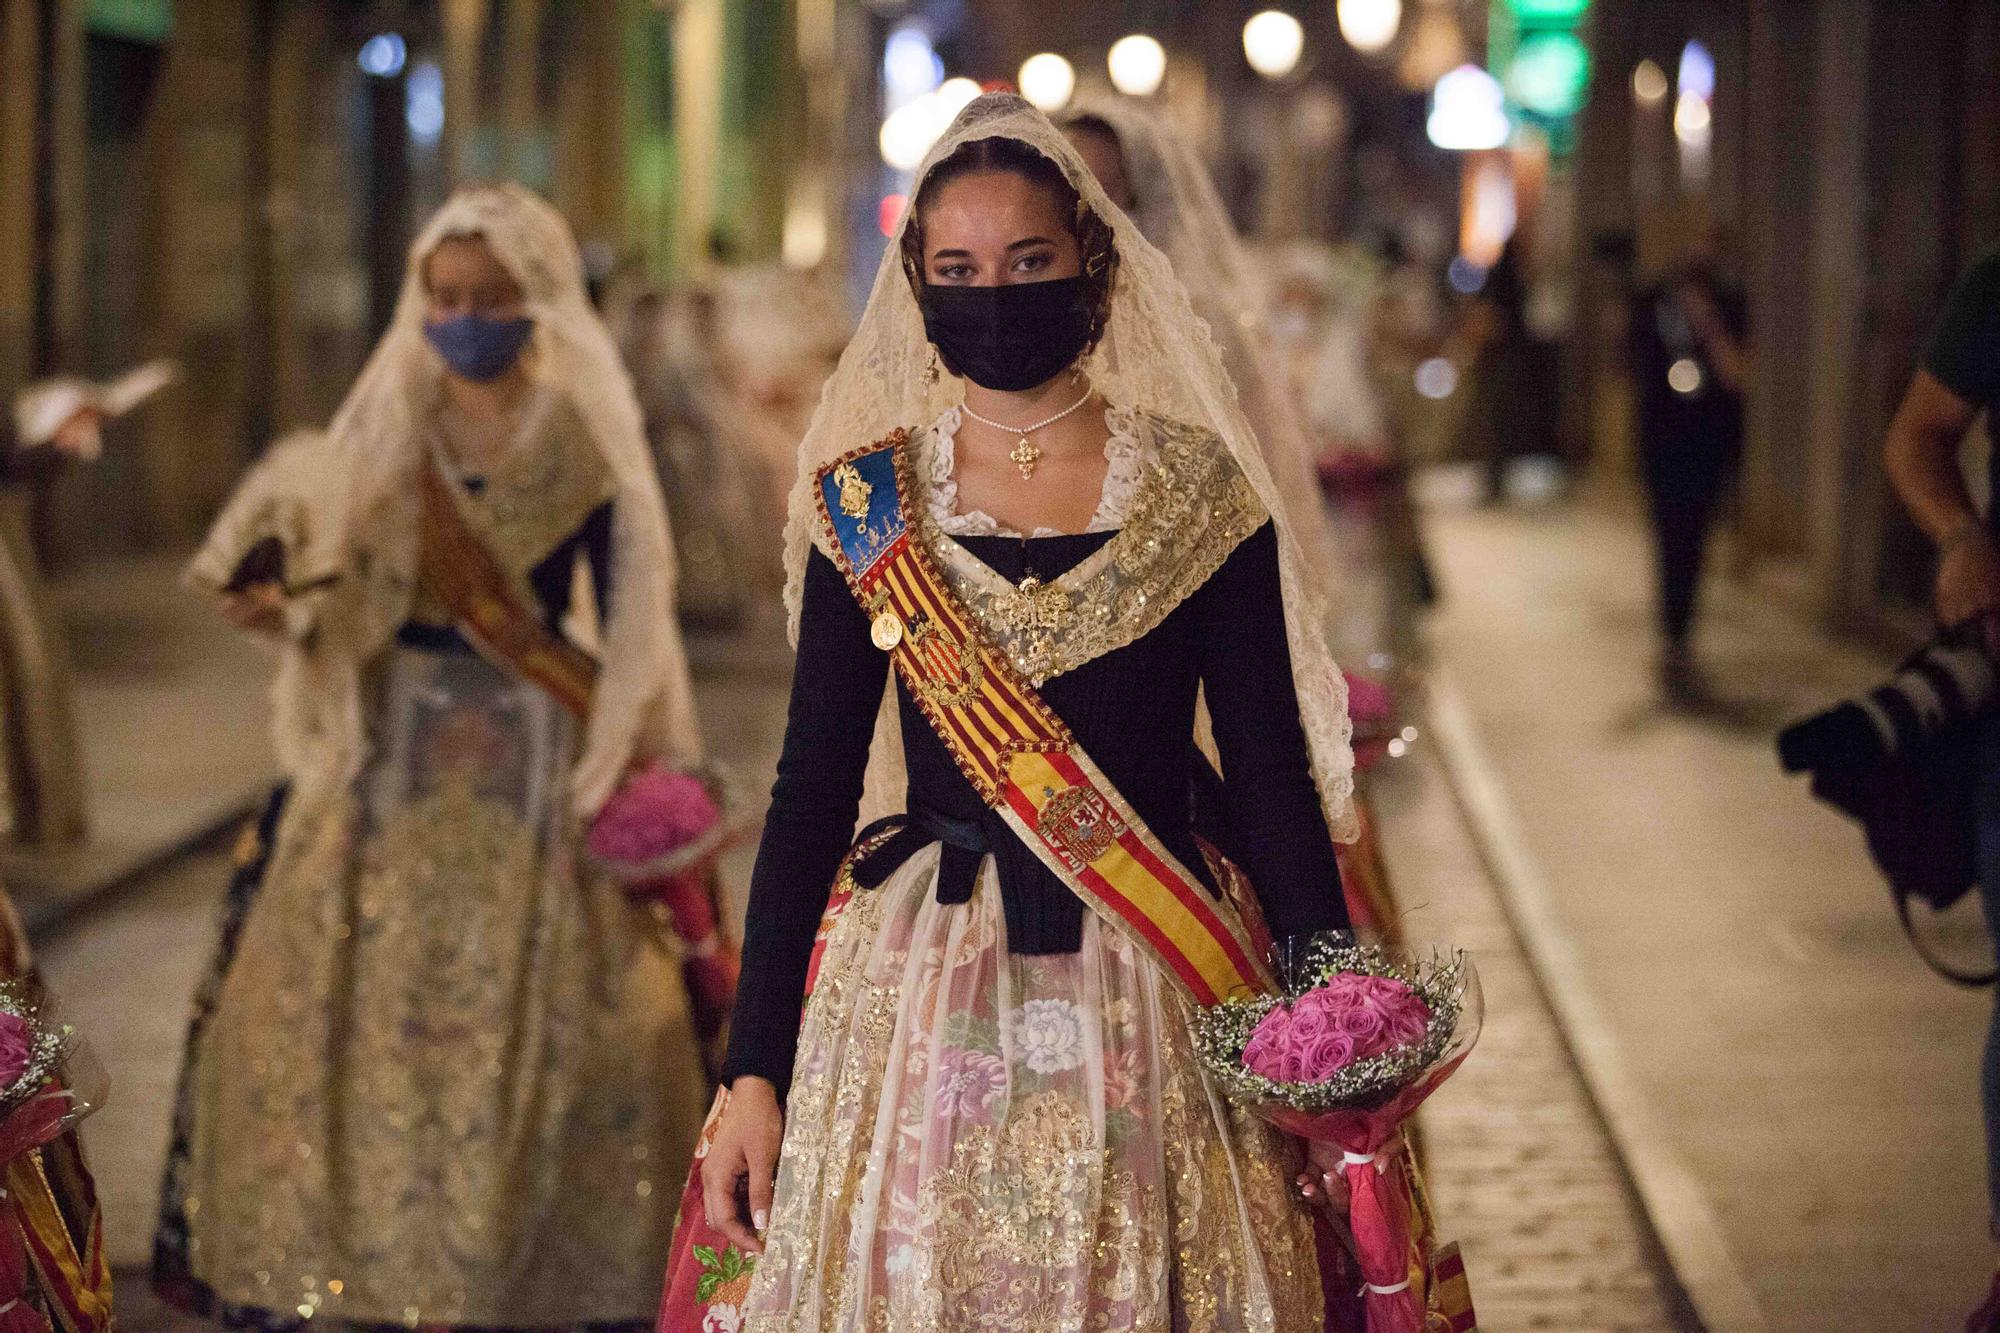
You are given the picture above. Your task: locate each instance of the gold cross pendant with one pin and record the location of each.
(1025, 456)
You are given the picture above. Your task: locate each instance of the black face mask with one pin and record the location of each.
(1010, 337)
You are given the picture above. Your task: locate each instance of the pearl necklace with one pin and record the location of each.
(1024, 454)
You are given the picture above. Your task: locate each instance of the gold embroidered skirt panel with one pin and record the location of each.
(449, 1078)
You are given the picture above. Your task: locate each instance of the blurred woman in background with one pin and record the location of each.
(443, 1074)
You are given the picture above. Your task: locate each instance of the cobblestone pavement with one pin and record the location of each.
(1521, 1171)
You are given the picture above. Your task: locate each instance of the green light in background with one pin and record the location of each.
(1548, 11)
(134, 20)
(1548, 75)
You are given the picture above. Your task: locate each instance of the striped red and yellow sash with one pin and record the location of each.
(458, 569)
(1016, 752)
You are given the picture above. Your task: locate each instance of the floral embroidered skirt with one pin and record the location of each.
(982, 1141)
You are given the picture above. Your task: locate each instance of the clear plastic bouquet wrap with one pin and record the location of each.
(1354, 1042)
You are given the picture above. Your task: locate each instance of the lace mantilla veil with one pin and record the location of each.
(377, 441)
(1156, 356)
(1177, 208)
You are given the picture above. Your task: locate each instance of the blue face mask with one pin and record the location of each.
(480, 349)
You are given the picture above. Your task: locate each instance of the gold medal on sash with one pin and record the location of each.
(887, 631)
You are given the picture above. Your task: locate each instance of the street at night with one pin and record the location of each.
(986, 666)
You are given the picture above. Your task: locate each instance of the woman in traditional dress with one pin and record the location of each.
(716, 490)
(444, 1074)
(1031, 490)
(1151, 171)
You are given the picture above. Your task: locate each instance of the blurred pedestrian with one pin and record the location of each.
(1691, 363)
(1151, 170)
(1514, 385)
(709, 479)
(1960, 379)
(45, 793)
(443, 1073)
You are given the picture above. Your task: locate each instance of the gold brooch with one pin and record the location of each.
(854, 492)
(1037, 612)
(1034, 608)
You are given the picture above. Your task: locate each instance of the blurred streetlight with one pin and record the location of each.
(1697, 72)
(1137, 64)
(1369, 25)
(804, 241)
(1649, 83)
(423, 103)
(1692, 120)
(1047, 80)
(909, 132)
(952, 97)
(910, 64)
(383, 55)
(1468, 111)
(1273, 42)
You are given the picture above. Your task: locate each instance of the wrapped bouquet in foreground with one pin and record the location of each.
(53, 1273)
(1354, 1042)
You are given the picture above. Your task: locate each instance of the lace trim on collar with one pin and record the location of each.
(1131, 448)
(1188, 510)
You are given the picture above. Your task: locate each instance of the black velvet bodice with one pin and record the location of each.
(1132, 710)
(551, 580)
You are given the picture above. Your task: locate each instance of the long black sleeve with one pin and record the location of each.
(836, 689)
(1277, 825)
(555, 576)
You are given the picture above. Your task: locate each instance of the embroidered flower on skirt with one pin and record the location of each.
(1050, 1033)
(979, 1141)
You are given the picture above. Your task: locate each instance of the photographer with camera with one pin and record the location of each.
(1960, 377)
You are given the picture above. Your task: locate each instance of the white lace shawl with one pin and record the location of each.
(1156, 357)
(366, 509)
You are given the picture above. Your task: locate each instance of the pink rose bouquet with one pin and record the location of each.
(659, 836)
(48, 1078)
(1344, 1053)
(658, 823)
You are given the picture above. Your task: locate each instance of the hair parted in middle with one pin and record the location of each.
(997, 153)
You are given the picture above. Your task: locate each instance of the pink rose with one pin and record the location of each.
(1409, 1027)
(1309, 1020)
(1363, 1023)
(1343, 987)
(1269, 1043)
(1390, 993)
(16, 1044)
(1368, 701)
(1264, 1054)
(1325, 1057)
(655, 812)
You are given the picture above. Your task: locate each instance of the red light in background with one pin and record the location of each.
(890, 212)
